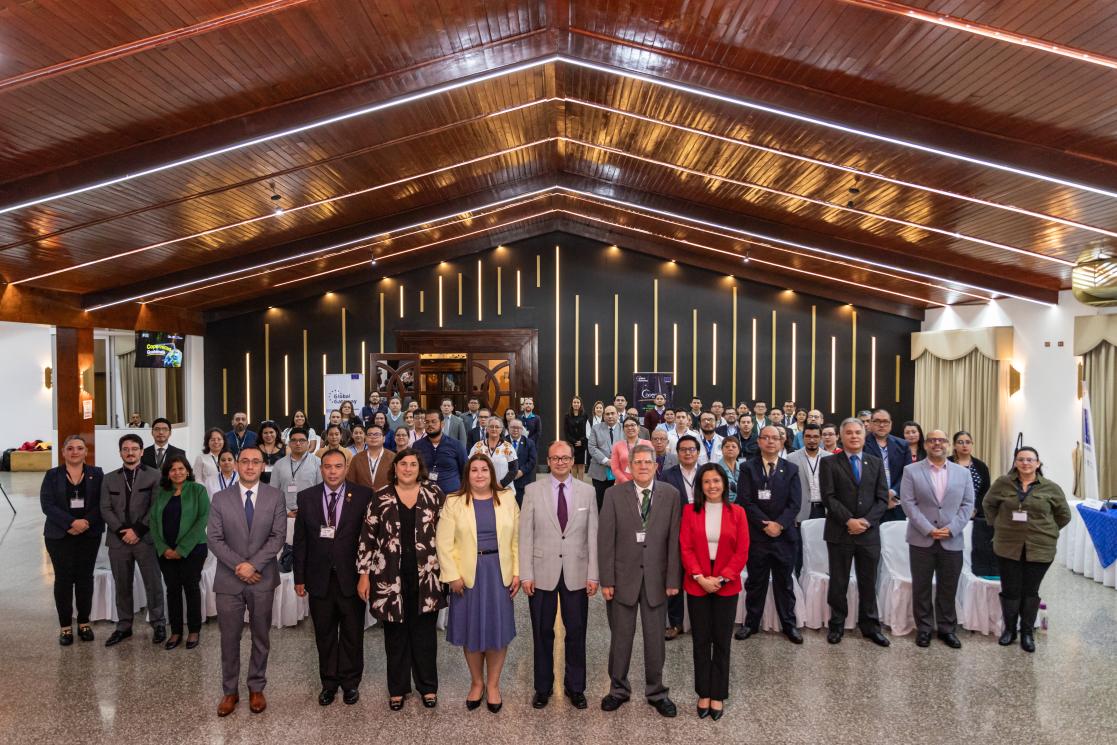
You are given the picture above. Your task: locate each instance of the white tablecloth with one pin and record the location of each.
(1076, 551)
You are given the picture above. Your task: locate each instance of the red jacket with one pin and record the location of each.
(732, 553)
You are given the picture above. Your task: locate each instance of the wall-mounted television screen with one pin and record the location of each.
(158, 349)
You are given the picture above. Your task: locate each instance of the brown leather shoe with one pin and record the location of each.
(256, 702)
(672, 633)
(228, 705)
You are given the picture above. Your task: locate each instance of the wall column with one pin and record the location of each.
(73, 381)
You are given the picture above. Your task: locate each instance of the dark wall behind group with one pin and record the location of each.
(589, 275)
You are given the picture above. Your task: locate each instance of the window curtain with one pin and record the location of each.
(138, 387)
(969, 392)
(1100, 370)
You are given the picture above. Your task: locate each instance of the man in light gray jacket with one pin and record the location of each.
(602, 437)
(938, 498)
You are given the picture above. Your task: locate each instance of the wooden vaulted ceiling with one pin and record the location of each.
(874, 152)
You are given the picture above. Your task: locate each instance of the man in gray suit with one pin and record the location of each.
(126, 497)
(558, 561)
(938, 498)
(638, 552)
(452, 424)
(600, 444)
(247, 528)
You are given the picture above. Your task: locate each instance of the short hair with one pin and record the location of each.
(209, 434)
(446, 401)
(130, 437)
(560, 443)
(681, 410)
(811, 426)
(430, 412)
(851, 420)
(246, 448)
(516, 421)
(484, 408)
(71, 438)
(830, 425)
(685, 438)
(759, 401)
(370, 427)
(881, 411)
(423, 472)
(746, 414)
(731, 439)
(472, 399)
(330, 452)
(161, 420)
(631, 419)
(165, 481)
(642, 448)
(297, 431)
(864, 412)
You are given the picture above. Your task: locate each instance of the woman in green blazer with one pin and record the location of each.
(1026, 512)
(178, 525)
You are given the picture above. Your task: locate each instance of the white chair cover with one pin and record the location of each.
(770, 618)
(894, 594)
(814, 581)
(979, 603)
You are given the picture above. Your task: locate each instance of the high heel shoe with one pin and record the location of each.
(703, 712)
(494, 708)
(192, 644)
(173, 642)
(472, 704)
(716, 714)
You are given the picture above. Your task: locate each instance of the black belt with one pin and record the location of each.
(488, 551)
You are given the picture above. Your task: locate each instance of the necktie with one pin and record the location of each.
(332, 508)
(610, 435)
(159, 456)
(855, 464)
(645, 505)
(562, 514)
(248, 508)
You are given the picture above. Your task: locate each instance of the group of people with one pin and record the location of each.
(457, 518)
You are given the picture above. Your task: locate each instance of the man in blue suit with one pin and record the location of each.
(526, 458)
(894, 452)
(771, 494)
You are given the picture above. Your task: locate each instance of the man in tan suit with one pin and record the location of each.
(371, 466)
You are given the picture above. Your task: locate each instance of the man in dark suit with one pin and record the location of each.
(327, 531)
(854, 492)
(154, 456)
(895, 454)
(681, 476)
(532, 424)
(526, 458)
(478, 432)
(769, 490)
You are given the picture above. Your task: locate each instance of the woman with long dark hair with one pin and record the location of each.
(913, 435)
(574, 432)
(983, 561)
(271, 446)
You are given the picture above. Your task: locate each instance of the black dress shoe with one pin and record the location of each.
(117, 637)
(1027, 641)
(327, 696)
(85, 632)
(1008, 637)
(793, 635)
(66, 638)
(703, 712)
(160, 635)
(430, 700)
(193, 644)
(612, 703)
(716, 714)
(744, 633)
(834, 636)
(879, 639)
(173, 642)
(951, 640)
(923, 639)
(577, 699)
(539, 700)
(665, 707)
(350, 696)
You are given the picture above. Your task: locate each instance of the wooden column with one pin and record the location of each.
(74, 387)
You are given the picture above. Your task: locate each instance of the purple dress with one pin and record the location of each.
(482, 618)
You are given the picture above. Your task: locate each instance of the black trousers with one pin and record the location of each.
(934, 573)
(675, 609)
(774, 559)
(543, 606)
(600, 487)
(339, 633)
(711, 627)
(894, 513)
(411, 647)
(1021, 578)
(184, 576)
(73, 559)
(865, 559)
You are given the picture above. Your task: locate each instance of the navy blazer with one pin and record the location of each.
(783, 507)
(148, 457)
(845, 498)
(527, 457)
(54, 498)
(674, 477)
(533, 428)
(315, 557)
(898, 458)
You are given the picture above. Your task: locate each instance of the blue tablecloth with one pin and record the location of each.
(1102, 527)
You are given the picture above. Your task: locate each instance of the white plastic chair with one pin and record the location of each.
(814, 580)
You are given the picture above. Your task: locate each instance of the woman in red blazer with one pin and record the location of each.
(714, 541)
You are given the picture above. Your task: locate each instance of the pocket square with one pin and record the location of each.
(582, 509)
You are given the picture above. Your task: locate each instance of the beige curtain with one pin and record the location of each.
(1100, 368)
(967, 393)
(137, 387)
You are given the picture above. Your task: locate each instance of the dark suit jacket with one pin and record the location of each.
(674, 477)
(54, 498)
(898, 457)
(148, 458)
(117, 507)
(845, 498)
(783, 507)
(526, 460)
(533, 428)
(316, 556)
(627, 565)
(474, 437)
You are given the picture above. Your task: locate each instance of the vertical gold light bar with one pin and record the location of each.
(714, 356)
(364, 358)
(461, 296)
(616, 339)
(248, 385)
(794, 363)
(558, 345)
(694, 352)
(853, 366)
(814, 330)
(872, 372)
(635, 347)
(675, 353)
(753, 390)
(834, 374)
(480, 299)
(382, 323)
(267, 371)
(306, 374)
(596, 355)
(286, 388)
(773, 359)
(498, 297)
(422, 301)
(518, 303)
(401, 299)
(538, 270)
(655, 325)
(344, 343)
(577, 339)
(439, 301)
(897, 378)
(733, 352)
(325, 365)
(224, 390)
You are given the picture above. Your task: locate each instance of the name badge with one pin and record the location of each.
(641, 535)
(764, 495)
(1020, 516)
(434, 475)
(292, 489)
(326, 532)
(77, 504)
(267, 469)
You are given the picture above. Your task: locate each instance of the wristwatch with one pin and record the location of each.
(723, 581)
(696, 577)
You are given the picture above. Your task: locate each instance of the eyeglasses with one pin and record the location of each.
(253, 462)
(298, 441)
(644, 462)
(688, 450)
(881, 421)
(936, 440)
(964, 442)
(559, 458)
(1027, 460)
(770, 437)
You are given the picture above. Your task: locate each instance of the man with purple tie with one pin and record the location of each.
(558, 561)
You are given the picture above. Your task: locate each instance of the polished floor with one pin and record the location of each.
(853, 693)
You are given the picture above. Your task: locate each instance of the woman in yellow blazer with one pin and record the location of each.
(478, 542)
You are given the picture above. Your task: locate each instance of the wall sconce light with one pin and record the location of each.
(1013, 380)
(48, 377)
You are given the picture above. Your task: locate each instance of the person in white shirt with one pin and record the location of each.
(680, 429)
(298, 470)
(207, 465)
(709, 450)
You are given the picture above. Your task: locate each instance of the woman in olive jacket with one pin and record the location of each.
(1026, 512)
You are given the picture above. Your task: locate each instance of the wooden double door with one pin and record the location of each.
(499, 367)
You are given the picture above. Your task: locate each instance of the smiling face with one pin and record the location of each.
(177, 473)
(911, 434)
(130, 453)
(401, 438)
(299, 419)
(712, 487)
(631, 430)
(494, 430)
(161, 432)
(358, 435)
(480, 476)
(407, 470)
(853, 437)
(228, 463)
(560, 458)
(73, 452)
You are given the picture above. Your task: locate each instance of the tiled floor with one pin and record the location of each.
(854, 693)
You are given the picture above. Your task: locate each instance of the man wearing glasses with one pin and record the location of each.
(558, 570)
(247, 527)
(681, 477)
(156, 455)
(297, 471)
(894, 452)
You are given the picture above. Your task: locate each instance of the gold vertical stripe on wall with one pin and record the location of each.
(538, 270)
(439, 301)
(401, 299)
(286, 388)
(577, 338)
(422, 301)
(616, 338)
(834, 374)
(773, 400)
(814, 330)
(694, 352)
(853, 366)
(364, 358)
(596, 355)
(382, 323)
(872, 372)
(498, 294)
(517, 288)
(267, 371)
(675, 353)
(655, 325)
(794, 362)
(344, 340)
(897, 378)
(325, 367)
(558, 345)
(480, 299)
(248, 385)
(224, 390)
(306, 374)
(635, 347)
(733, 353)
(714, 356)
(461, 296)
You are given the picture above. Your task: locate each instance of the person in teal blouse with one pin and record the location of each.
(178, 524)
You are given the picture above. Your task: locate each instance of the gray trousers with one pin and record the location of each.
(622, 631)
(123, 561)
(935, 572)
(230, 620)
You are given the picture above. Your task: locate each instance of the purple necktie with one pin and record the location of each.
(562, 516)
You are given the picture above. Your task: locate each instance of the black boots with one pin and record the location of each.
(1010, 610)
(1029, 607)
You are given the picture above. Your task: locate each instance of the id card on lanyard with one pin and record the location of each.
(1020, 515)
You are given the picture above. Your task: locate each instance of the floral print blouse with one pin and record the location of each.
(379, 552)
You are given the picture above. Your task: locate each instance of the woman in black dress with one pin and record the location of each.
(574, 432)
(982, 561)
